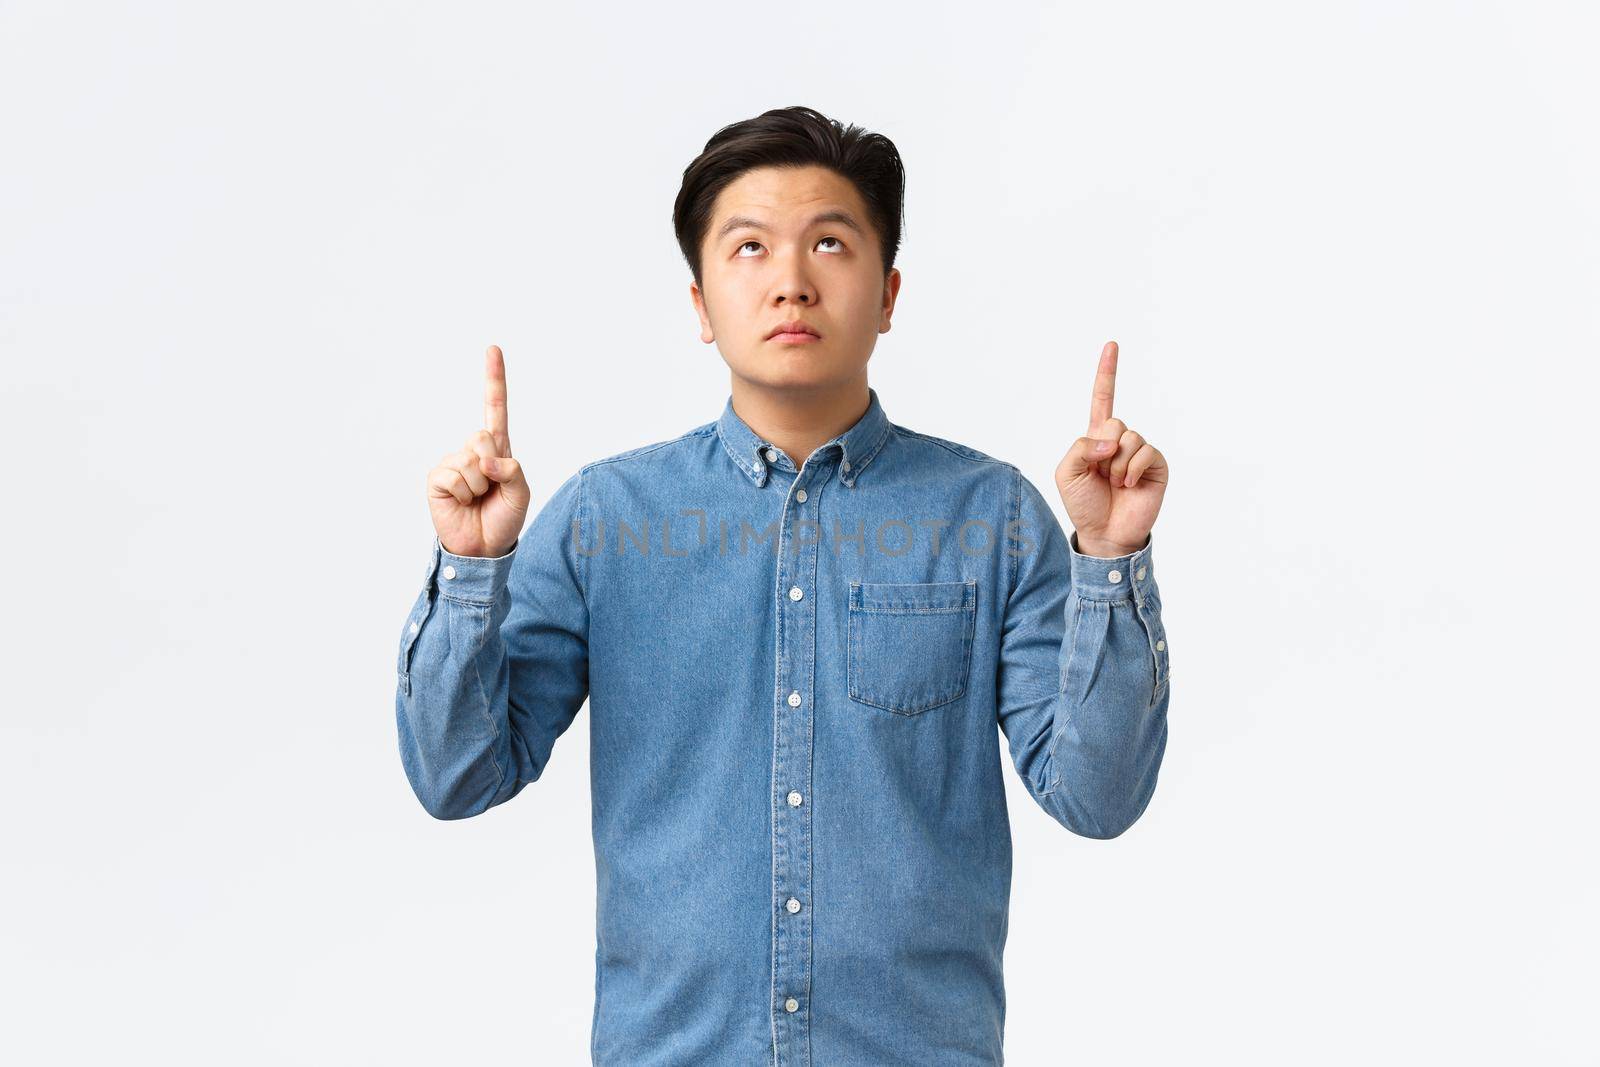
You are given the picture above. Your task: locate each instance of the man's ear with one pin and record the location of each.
(891, 290)
(699, 301)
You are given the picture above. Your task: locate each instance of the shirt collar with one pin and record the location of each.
(859, 443)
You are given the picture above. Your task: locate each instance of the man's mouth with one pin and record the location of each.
(794, 332)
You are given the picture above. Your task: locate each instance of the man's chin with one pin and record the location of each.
(772, 365)
(797, 380)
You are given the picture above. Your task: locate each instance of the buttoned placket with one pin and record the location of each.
(793, 721)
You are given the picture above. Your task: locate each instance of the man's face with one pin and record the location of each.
(767, 259)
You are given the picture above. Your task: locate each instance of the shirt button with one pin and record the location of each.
(1114, 577)
(1161, 646)
(413, 627)
(795, 798)
(793, 905)
(772, 455)
(791, 1005)
(794, 699)
(449, 571)
(795, 593)
(1139, 574)
(800, 495)
(845, 466)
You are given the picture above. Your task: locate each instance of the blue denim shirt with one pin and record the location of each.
(794, 679)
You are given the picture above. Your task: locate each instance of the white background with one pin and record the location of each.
(250, 260)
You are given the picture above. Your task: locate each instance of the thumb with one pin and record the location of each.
(1084, 453)
(508, 472)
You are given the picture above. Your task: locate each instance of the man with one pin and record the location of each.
(797, 627)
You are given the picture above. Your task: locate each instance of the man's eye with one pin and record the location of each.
(757, 244)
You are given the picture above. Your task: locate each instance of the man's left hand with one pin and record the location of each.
(1112, 493)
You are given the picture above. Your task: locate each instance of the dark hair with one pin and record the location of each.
(793, 137)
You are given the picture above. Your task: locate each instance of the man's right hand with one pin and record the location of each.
(478, 496)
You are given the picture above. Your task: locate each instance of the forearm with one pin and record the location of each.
(1109, 727)
(451, 717)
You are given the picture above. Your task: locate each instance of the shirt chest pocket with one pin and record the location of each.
(909, 646)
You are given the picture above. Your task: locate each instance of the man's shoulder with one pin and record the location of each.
(664, 446)
(941, 447)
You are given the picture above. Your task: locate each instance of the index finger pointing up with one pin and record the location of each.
(1105, 386)
(494, 398)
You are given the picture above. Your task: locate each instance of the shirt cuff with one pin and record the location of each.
(475, 578)
(1112, 577)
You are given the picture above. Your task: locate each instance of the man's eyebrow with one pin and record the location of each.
(844, 218)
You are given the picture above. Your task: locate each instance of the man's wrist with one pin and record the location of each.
(1105, 549)
(477, 579)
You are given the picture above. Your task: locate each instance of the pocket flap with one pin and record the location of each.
(902, 597)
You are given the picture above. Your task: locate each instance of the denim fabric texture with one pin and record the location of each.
(794, 681)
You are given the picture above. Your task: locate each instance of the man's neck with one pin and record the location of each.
(798, 420)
